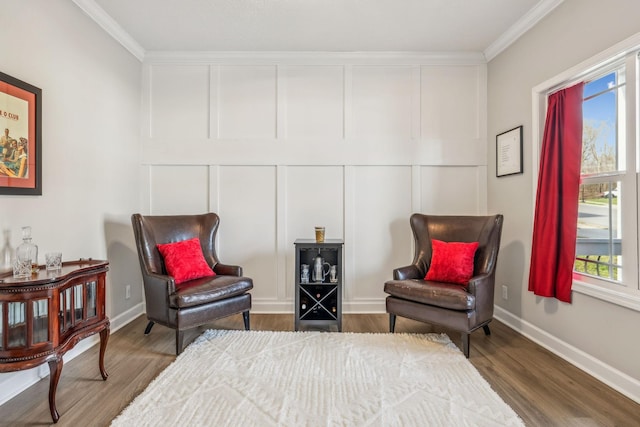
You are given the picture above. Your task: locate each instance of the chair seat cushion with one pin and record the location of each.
(209, 289)
(446, 295)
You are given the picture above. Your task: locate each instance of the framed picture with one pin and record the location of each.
(509, 152)
(20, 137)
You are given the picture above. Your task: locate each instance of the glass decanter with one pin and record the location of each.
(26, 262)
(6, 254)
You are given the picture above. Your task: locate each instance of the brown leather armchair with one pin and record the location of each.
(459, 307)
(197, 301)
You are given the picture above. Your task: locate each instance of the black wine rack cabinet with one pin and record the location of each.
(318, 303)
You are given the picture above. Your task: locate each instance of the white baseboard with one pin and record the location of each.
(609, 375)
(124, 318)
(14, 383)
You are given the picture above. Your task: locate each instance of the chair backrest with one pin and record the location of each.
(486, 230)
(151, 230)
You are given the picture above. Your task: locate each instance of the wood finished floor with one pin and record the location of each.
(542, 388)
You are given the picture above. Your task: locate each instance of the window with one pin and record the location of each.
(607, 260)
(599, 242)
(606, 246)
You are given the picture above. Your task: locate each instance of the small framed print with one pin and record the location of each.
(509, 152)
(20, 137)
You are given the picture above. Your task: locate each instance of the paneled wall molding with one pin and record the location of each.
(325, 153)
(276, 113)
(265, 208)
(315, 58)
(279, 143)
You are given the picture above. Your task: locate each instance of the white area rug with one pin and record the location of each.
(254, 378)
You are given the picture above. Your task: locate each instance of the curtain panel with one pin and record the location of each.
(556, 213)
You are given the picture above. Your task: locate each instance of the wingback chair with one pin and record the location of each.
(197, 301)
(461, 307)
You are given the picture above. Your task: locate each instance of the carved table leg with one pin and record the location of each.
(104, 337)
(55, 369)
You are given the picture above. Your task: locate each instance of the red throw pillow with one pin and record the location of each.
(184, 260)
(451, 262)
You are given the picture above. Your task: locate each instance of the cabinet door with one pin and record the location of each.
(92, 299)
(40, 321)
(65, 309)
(16, 324)
(78, 304)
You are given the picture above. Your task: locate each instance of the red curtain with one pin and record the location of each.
(556, 216)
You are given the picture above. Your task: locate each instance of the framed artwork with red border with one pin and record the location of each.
(20, 137)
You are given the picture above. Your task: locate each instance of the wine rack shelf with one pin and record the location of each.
(318, 293)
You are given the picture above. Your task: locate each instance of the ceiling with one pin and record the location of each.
(433, 26)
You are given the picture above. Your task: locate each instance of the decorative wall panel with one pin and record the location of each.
(451, 98)
(179, 190)
(247, 235)
(313, 101)
(382, 104)
(179, 103)
(381, 238)
(451, 190)
(277, 146)
(246, 102)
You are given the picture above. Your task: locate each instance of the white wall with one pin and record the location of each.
(90, 137)
(277, 144)
(599, 336)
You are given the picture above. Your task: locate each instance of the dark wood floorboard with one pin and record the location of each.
(542, 388)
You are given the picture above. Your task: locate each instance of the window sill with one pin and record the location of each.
(615, 297)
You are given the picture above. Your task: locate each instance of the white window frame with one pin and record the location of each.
(627, 294)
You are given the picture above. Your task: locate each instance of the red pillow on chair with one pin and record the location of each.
(184, 260)
(451, 262)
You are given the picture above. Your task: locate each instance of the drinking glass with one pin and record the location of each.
(53, 260)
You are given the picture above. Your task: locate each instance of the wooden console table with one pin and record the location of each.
(44, 316)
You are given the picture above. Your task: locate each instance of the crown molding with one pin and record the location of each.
(95, 12)
(538, 12)
(524, 24)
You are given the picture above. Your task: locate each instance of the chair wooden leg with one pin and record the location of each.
(179, 341)
(245, 316)
(147, 330)
(486, 330)
(392, 322)
(465, 344)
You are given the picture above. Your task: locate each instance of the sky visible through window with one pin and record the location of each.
(600, 111)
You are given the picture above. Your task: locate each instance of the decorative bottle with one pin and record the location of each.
(26, 256)
(6, 254)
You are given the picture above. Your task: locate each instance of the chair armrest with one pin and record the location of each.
(162, 282)
(479, 284)
(482, 287)
(227, 270)
(408, 272)
(157, 288)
